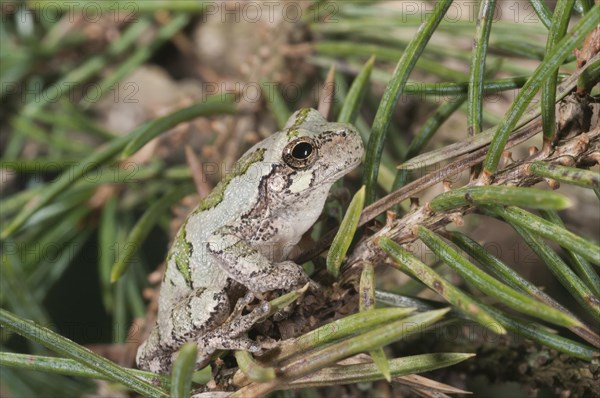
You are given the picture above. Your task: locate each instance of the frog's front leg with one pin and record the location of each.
(247, 266)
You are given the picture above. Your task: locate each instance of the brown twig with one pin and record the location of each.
(578, 150)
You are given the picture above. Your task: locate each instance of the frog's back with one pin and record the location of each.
(189, 263)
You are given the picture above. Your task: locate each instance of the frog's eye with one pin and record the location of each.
(300, 153)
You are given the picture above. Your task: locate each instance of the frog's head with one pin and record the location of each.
(310, 154)
(295, 168)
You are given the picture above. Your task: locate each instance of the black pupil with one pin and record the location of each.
(302, 150)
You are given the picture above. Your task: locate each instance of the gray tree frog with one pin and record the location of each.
(235, 244)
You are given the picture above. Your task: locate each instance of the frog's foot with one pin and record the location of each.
(208, 345)
(231, 335)
(240, 305)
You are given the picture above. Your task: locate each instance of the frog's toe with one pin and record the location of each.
(240, 305)
(244, 323)
(262, 310)
(254, 347)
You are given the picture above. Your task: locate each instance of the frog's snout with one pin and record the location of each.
(354, 145)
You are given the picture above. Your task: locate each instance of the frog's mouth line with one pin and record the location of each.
(333, 177)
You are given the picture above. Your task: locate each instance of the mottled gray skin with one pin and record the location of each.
(235, 244)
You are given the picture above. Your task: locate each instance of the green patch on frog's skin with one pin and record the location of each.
(293, 131)
(181, 253)
(240, 168)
